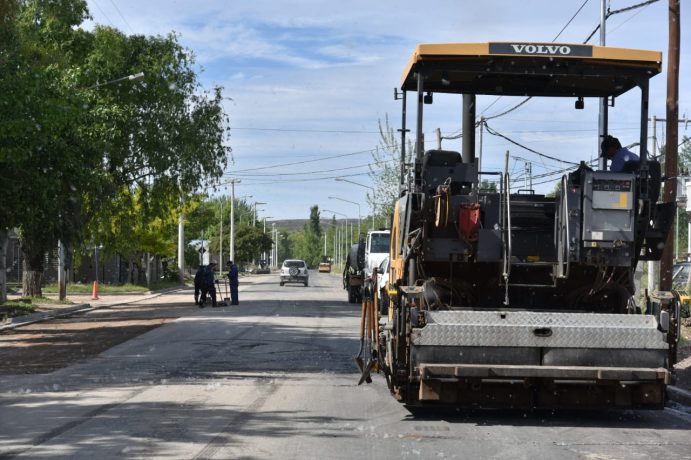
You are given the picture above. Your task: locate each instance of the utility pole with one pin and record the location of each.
(479, 158)
(62, 288)
(220, 241)
(181, 247)
(671, 147)
(232, 217)
(653, 265)
(602, 118)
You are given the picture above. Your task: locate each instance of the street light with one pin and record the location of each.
(342, 179)
(266, 217)
(358, 210)
(346, 228)
(134, 77)
(254, 215)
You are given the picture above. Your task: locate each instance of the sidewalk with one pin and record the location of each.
(82, 302)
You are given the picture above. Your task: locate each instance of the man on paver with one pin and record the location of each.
(208, 286)
(198, 281)
(612, 150)
(234, 282)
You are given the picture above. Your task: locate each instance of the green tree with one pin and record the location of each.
(385, 170)
(307, 244)
(249, 243)
(77, 159)
(45, 161)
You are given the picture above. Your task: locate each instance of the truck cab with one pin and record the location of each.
(376, 250)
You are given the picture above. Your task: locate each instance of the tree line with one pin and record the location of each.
(88, 157)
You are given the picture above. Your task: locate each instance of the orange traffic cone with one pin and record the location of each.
(94, 291)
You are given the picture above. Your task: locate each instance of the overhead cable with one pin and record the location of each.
(543, 155)
(620, 10)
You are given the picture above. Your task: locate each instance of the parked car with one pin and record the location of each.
(294, 271)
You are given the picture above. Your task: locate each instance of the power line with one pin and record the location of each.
(289, 130)
(361, 152)
(303, 173)
(286, 181)
(620, 10)
(510, 110)
(123, 17)
(496, 133)
(103, 13)
(572, 18)
(609, 13)
(553, 40)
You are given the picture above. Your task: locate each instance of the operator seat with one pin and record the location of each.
(438, 166)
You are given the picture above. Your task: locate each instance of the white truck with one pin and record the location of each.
(363, 258)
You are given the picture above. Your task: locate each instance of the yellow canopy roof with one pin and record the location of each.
(537, 69)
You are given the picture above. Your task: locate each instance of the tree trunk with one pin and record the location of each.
(31, 283)
(147, 259)
(4, 238)
(32, 277)
(130, 269)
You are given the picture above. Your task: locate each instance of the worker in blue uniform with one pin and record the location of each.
(234, 282)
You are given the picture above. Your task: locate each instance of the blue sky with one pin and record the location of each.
(309, 80)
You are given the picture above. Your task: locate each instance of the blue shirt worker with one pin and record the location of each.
(234, 282)
(612, 150)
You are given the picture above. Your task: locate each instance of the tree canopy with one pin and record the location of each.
(85, 154)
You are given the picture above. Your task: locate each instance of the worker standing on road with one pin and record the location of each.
(208, 286)
(234, 282)
(198, 281)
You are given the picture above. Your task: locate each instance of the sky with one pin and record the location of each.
(307, 82)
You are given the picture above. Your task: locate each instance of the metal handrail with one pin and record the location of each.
(565, 207)
(507, 229)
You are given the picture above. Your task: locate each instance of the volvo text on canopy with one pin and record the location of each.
(501, 298)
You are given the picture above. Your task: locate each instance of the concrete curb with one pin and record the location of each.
(43, 316)
(72, 309)
(679, 395)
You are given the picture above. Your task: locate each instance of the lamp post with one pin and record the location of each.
(232, 218)
(134, 77)
(266, 217)
(358, 210)
(254, 214)
(340, 243)
(342, 179)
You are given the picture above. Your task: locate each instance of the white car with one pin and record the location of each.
(294, 271)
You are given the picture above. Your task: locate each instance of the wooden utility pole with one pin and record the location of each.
(671, 147)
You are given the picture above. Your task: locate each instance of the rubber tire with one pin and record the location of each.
(282, 283)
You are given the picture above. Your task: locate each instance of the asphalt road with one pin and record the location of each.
(275, 378)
